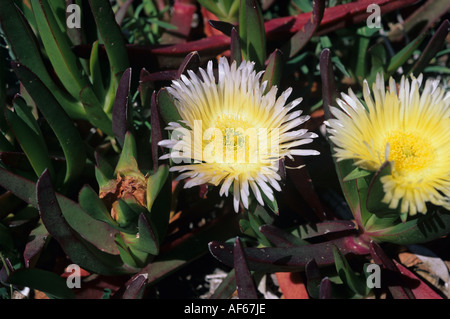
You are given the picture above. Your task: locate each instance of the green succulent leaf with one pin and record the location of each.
(148, 240)
(301, 38)
(273, 70)
(95, 232)
(356, 282)
(225, 10)
(51, 284)
(432, 48)
(155, 183)
(127, 212)
(57, 118)
(94, 110)
(166, 107)
(58, 48)
(276, 259)
(96, 72)
(94, 206)
(252, 33)
(355, 174)
(127, 164)
(80, 251)
(38, 240)
(191, 248)
(416, 230)
(24, 46)
(29, 136)
(400, 58)
(111, 36)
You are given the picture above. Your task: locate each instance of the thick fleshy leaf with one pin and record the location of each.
(104, 172)
(276, 259)
(148, 240)
(273, 70)
(226, 288)
(329, 91)
(420, 229)
(191, 62)
(433, 46)
(58, 47)
(127, 164)
(225, 11)
(6, 271)
(281, 238)
(94, 206)
(252, 33)
(192, 246)
(313, 279)
(25, 48)
(111, 36)
(325, 290)
(159, 192)
(30, 139)
(121, 116)
(244, 281)
(364, 39)
(38, 239)
(96, 72)
(303, 184)
(135, 287)
(48, 282)
(57, 118)
(156, 132)
(94, 110)
(127, 212)
(375, 192)
(355, 174)
(356, 282)
(301, 38)
(224, 27)
(400, 58)
(324, 228)
(80, 251)
(97, 233)
(235, 47)
(395, 285)
(254, 224)
(155, 184)
(166, 107)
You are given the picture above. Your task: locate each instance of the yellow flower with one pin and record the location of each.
(408, 128)
(232, 133)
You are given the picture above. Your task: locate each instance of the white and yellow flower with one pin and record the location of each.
(233, 133)
(408, 128)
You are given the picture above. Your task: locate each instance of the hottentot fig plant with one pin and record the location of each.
(89, 176)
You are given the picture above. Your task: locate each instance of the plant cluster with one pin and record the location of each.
(88, 112)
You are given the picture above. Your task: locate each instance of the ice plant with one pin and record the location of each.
(406, 127)
(233, 133)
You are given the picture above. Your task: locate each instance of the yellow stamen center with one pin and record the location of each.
(410, 151)
(236, 135)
